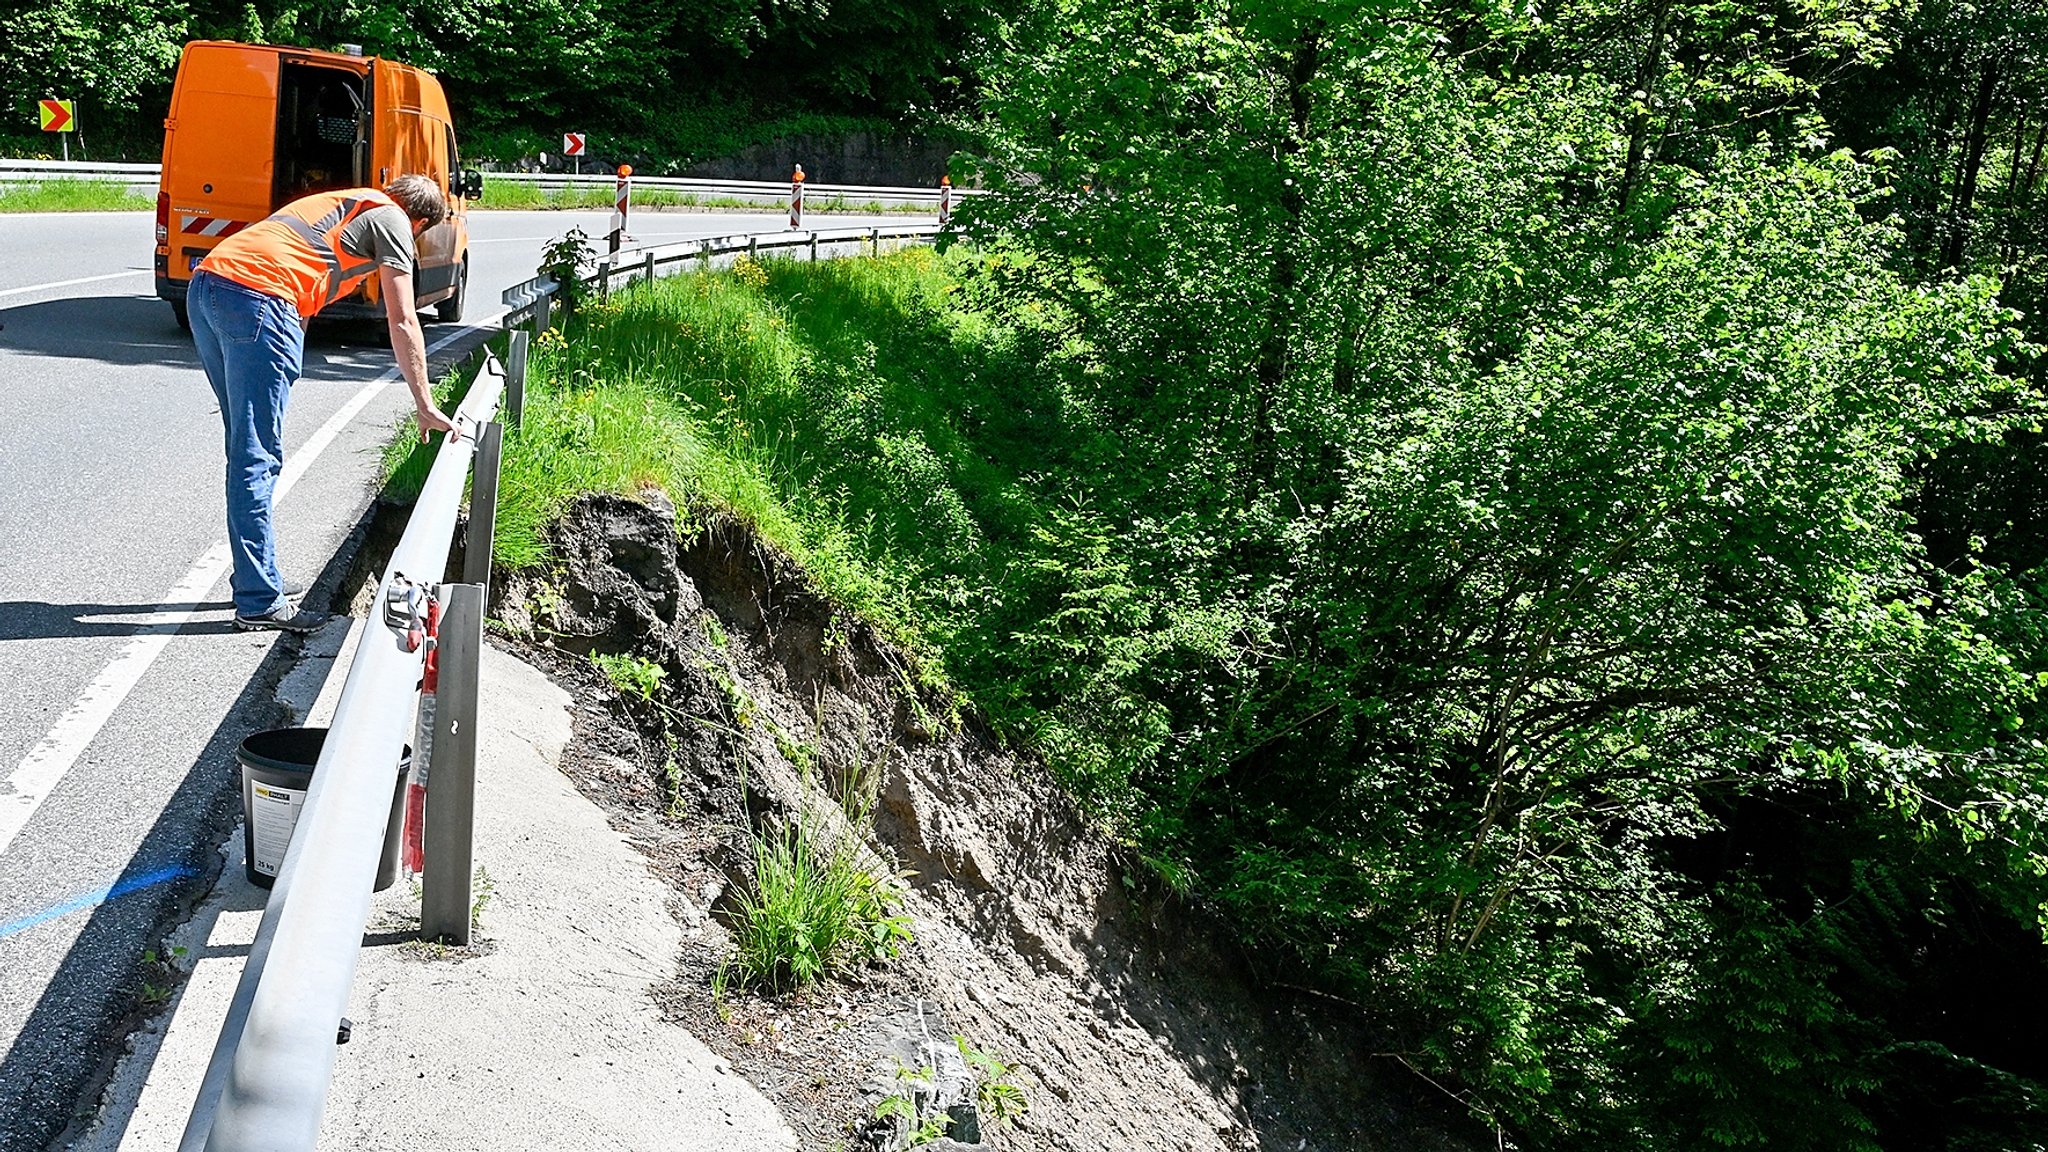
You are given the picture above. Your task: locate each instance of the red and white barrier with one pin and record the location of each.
(945, 200)
(796, 198)
(622, 206)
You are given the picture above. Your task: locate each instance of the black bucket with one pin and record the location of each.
(277, 769)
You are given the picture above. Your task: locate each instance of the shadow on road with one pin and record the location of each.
(38, 620)
(137, 331)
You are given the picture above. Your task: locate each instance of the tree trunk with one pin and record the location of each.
(2034, 162)
(2013, 192)
(1974, 145)
(1646, 81)
(1271, 375)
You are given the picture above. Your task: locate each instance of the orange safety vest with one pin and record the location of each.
(296, 252)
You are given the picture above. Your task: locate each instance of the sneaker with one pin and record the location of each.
(285, 619)
(293, 590)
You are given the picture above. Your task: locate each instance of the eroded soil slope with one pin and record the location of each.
(1138, 1022)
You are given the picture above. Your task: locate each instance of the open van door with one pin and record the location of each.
(411, 133)
(322, 127)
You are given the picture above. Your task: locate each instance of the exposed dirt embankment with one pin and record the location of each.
(1138, 1022)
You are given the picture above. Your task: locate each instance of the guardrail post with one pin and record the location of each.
(874, 241)
(445, 894)
(814, 247)
(650, 265)
(483, 507)
(515, 375)
(753, 247)
(543, 313)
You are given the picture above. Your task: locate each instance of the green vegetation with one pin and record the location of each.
(1540, 516)
(813, 910)
(1498, 737)
(999, 1101)
(72, 196)
(998, 1098)
(632, 675)
(657, 85)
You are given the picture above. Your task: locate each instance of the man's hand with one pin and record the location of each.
(410, 347)
(431, 419)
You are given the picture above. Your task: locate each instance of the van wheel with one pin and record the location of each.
(449, 311)
(183, 317)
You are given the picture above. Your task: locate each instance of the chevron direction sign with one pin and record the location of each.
(57, 116)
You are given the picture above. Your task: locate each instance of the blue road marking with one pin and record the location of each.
(95, 898)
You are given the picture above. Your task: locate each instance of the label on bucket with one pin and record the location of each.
(273, 814)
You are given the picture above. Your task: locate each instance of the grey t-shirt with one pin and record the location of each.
(383, 234)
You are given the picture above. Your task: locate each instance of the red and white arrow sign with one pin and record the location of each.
(572, 143)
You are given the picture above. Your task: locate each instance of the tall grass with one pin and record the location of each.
(813, 910)
(72, 196)
(924, 458)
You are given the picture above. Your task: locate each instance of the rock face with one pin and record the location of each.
(1134, 1021)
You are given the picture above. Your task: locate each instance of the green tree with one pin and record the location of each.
(1554, 543)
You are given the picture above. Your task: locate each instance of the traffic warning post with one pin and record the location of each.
(58, 116)
(623, 203)
(945, 200)
(572, 147)
(796, 198)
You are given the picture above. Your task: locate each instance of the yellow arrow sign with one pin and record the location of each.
(57, 116)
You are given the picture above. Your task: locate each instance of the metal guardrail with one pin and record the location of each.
(531, 302)
(84, 169)
(744, 189)
(141, 177)
(138, 175)
(266, 1085)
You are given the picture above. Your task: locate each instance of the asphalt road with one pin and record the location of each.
(126, 691)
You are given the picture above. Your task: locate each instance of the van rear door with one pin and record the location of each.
(410, 137)
(214, 183)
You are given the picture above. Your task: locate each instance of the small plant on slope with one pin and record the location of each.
(632, 675)
(813, 910)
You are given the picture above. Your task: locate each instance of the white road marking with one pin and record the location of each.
(39, 773)
(69, 283)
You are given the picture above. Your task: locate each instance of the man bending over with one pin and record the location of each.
(250, 302)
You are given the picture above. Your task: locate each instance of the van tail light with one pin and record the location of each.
(163, 219)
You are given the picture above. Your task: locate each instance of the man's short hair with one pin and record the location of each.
(420, 197)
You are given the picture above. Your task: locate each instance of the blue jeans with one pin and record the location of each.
(252, 347)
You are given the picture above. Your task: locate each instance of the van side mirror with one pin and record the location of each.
(472, 185)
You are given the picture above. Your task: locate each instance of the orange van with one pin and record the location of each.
(253, 127)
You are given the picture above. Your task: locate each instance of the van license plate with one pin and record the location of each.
(192, 262)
